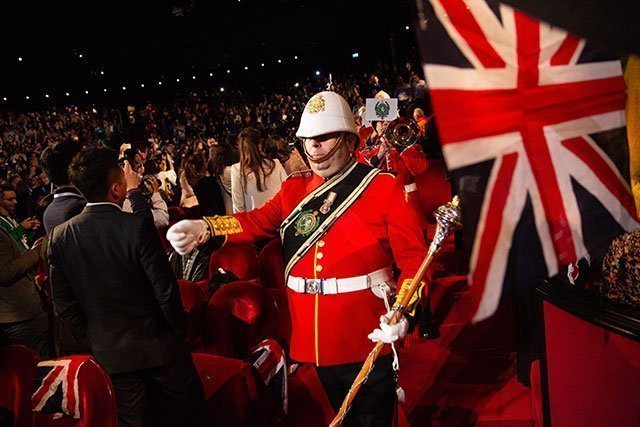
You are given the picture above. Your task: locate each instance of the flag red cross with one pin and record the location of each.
(524, 85)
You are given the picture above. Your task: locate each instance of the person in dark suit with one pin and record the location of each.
(114, 287)
(67, 200)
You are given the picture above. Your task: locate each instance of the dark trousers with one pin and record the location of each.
(32, 333)
(375, 403)
(168, 395)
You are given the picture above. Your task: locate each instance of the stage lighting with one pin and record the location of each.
(296, 85)
(124, 88)
(19, 58)
(279, 61)
(86, 92)
(102, 73)
(355, 55)
(406, 28)
(104, 89)
(210, 74)
(177, 80)
(193, 77)
(317, 72)
(262, 64)
(141, 84)
(66, 93)
(46, 95)
(246, 68)
(27, 97)
(4, 99)
(228, 71)
(221, 89)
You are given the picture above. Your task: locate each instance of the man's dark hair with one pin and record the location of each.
(93, 171)
(56, 159)
(4, 188)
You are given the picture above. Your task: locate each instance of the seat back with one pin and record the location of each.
(271, 276)
(234, 393)
(271, 265)
(241, 259)
(17, 373)
(239, 316)
(97, 401)
(194, 301)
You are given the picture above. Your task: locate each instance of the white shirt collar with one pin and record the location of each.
(102, 203)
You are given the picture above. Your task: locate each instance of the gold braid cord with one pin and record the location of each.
(223, 225)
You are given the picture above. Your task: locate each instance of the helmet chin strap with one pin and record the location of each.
(329, 154)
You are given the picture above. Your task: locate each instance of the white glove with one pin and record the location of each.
(188, 234)
(389, 334)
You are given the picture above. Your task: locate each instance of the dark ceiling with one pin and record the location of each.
(77, 46)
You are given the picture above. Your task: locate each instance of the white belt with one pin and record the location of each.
(409, 188)
(340, 286)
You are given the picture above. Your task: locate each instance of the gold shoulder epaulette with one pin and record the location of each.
(301, 174)
(223, 225)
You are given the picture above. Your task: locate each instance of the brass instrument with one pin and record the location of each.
(402, 134)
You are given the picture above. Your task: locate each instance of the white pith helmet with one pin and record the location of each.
(382, 95)
(326, 112)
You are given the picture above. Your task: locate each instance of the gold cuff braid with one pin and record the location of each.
(223, 225)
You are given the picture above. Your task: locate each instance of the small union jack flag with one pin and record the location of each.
(526, 113)
(270, 361)
(56, 386)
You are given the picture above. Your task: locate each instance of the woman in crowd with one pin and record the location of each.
(187, 170)
(289, 156)
(256, 178)
(225, 157)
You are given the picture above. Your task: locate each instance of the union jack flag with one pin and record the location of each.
(270, 361)
(524, 111)
(56, 386)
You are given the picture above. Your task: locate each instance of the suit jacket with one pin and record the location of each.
(67, 204)
(19, 298)
(112, 283)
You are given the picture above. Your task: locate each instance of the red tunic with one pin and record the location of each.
(332, 329)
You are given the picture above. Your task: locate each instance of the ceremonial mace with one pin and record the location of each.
(448, 219)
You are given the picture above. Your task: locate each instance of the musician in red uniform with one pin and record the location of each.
(343, 225)
(407, 163)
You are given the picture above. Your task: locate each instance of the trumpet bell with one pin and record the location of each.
(403, 134)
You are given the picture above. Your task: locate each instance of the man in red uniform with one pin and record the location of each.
(343, 226)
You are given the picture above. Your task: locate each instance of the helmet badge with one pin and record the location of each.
(315, 104)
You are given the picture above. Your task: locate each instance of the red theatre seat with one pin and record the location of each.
(241, 259)
(194, 301)
(235, 394)
(97, 401)
(17, 373)
(239, 316)
(271, 276)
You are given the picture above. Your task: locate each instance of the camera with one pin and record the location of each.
(146, 185)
